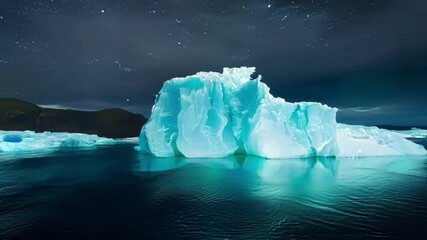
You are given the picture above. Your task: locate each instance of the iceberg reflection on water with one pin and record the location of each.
(284, 170)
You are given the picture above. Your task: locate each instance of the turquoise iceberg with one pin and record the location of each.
(212, 114)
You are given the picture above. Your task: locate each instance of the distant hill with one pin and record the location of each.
(20, 115)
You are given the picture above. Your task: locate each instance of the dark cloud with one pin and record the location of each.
(368, 57)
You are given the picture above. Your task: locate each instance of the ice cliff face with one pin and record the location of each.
(219, 114)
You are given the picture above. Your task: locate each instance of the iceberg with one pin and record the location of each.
(22, 141)
(212, 115)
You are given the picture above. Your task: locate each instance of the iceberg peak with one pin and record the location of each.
(212, 114)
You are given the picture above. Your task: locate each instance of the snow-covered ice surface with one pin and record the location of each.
(413, 133)
(212, 114)
(29, 141)
(354, 140)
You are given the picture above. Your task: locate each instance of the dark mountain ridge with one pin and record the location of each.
(16, 114)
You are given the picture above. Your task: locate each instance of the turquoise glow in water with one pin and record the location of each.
(115, 193)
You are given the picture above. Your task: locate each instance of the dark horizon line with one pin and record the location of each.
(385, 126)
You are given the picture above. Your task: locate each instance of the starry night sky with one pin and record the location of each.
(366, 57)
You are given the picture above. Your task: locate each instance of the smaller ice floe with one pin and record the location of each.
(22, 141)
(413, 133)
(357, 141)
(134, 140)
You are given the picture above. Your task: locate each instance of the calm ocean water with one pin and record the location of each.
(115, 193)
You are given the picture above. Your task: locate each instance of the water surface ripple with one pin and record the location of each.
(114, 192)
